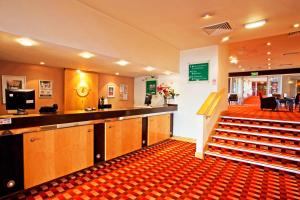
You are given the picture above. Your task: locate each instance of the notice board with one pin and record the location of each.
(151, 87)
(199, 72)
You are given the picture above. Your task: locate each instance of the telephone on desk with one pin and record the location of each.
(49, 109)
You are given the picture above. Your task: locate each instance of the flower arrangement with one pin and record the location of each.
(166, 91)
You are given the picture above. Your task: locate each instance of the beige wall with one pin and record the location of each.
(106, 79)
(64, 83)
(33, 74)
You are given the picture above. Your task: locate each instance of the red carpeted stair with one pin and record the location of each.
(264, 142)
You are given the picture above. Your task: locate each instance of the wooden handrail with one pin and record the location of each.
(211, 103)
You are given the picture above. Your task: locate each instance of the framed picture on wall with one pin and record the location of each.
(12, 83)
(124, 92)
(110, 91)
(45, 89)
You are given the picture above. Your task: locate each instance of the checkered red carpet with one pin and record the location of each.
(254, 111)
(169, 170)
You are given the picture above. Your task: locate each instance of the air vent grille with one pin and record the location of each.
(217, 29)
(290, 53)
(294, 34)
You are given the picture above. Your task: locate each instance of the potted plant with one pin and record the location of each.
(167, 92)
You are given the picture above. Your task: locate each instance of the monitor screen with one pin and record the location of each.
(148, 99)
(20, 99)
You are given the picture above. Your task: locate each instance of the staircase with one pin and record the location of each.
(268, 143)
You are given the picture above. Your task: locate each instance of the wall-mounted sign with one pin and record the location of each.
(199, 72)
(151, 87)
(254, 73)
(45, 89)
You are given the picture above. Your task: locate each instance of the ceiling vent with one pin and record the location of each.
(291, 53)
(217, 29)
(294, 34)
(288, 64)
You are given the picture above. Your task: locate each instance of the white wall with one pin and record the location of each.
(192, 95)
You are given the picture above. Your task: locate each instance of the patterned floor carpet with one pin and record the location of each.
(169, 170)
(254, 111)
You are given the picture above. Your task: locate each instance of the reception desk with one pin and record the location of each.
(37, 148)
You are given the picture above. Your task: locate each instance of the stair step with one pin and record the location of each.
(261, 120)
(251, 161)
(260, 126)
(257, 142)
(259, 152)
(258, 134)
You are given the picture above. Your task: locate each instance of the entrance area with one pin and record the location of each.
(249, 88)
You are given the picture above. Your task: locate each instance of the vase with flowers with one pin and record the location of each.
(167, 92)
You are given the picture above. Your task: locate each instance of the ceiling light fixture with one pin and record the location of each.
(122, 62)
(149, 68)
(234, 60)
(243, 69)
(167, 72)
(206, 16)
(256, 24)
(269, 67)
(269, 64)
(27, 42)
(86, 55)
(269, 59)
(296, 25)
(117, 73)
(269, 53)
(42, 63)
(225, 39)
(269, 43)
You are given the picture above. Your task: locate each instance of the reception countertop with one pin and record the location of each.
(8, 122)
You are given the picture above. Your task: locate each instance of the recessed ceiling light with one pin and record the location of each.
(26, 42)
(149, 68)
(225, 39)
(86, 55)
(117, 73)
(269, 43)
(269, 67)
(296, 25)
(42, 63)
(243, 69)
(206, 16)
(269, 53)
(256, 24)
(122, 62)
(269, 64)
(167, 72)
(234, 60)
(269, 59)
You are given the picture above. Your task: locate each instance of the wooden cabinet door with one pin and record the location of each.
(39, 157)
(51, 154)
(122, 137)
(158, 128)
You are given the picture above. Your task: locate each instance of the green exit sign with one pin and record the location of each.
(254, 73)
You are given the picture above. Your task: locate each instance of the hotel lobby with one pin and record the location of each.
(149, 99)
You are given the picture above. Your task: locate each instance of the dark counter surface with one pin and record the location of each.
(31, 120)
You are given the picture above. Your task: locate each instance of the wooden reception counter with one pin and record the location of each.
(37, 148)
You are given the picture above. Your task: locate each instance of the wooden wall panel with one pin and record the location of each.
(158, 128)
(73, 80)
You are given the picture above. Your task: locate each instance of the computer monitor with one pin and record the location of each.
(148, 99)
(20, 99)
